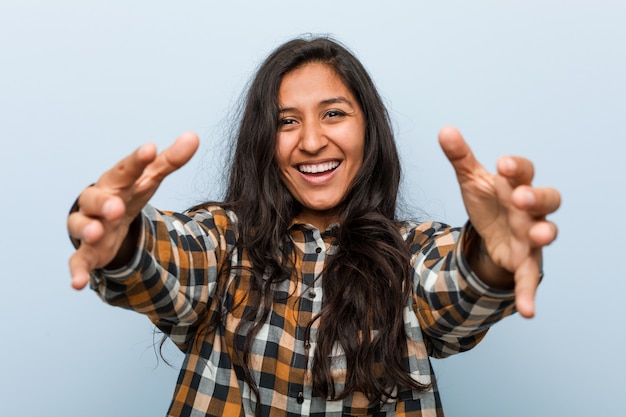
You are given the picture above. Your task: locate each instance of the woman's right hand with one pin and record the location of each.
(107, 209)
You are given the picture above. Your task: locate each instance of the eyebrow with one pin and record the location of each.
(332, 100)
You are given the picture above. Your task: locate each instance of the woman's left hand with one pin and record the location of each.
(509, 214)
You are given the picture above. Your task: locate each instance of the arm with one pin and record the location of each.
(173, 273)
(454, 307)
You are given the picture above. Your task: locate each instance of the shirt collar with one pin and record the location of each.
(297, 224)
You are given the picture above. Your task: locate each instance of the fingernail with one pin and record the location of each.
(78, 281)
(509, 164)
(106, 207)
(528, 197)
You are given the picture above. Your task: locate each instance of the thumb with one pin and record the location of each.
(168, 161)
(181, 151)
(458, 152)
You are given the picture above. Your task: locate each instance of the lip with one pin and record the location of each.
(318, 167)
(325, 174)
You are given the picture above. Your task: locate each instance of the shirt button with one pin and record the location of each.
(312, 294)
(318, 249)
(300, 397)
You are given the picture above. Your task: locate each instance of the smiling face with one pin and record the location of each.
(320, 140)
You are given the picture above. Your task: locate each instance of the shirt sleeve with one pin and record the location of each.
(173, 274)
(453, 306)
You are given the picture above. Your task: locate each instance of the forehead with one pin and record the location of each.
(311, 82)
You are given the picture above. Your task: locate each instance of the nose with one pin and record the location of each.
(312, 138)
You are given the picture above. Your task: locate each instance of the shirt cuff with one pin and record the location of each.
(129, 270)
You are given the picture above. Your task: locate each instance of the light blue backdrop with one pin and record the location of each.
(84, 83)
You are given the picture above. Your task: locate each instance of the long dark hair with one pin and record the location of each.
(367, 282)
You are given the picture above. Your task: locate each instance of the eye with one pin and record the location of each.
(287, 124)
(334, 113)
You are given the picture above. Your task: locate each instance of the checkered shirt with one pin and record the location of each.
(175, 274)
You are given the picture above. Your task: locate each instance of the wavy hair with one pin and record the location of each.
(367, 282)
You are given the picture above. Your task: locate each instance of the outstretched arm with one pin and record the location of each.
(103, 222)
(508, 215)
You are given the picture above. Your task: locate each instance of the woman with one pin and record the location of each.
(301, 293)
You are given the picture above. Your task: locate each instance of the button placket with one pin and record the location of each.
(310, 290)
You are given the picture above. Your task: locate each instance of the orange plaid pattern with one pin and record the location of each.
(175, 274)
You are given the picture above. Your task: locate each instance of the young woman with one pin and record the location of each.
(301, 293)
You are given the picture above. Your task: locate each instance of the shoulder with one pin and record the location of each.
(216, 213)
(420, 234)
(214, 217)
(213, 220)
(411, 228)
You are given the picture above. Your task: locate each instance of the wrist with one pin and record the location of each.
(481, 262)
(128, 247)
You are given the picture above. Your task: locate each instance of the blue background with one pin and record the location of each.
(84, 83)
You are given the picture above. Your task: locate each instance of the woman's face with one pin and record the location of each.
(321, 136)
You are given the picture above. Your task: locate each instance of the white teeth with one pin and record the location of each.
(317, 168)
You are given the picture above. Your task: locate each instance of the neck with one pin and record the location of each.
(319, 219)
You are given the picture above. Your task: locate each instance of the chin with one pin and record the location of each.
(322, 208)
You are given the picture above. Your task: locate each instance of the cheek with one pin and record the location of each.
(282, 152)
(357, 149)
(280, 156)
(282, 165)
(354, 140)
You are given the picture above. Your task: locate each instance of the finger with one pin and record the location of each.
(542, 233)
(84, 228)
(80, 266)
(526, 281)
(516, 169)
(128, 170)
(80, 278)
(171, 159)
(181, 151)
(459, 153)
(537, 201)
(98, 202)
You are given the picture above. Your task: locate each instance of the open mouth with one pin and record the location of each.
(318, 168)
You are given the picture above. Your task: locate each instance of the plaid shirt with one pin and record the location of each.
(176, 272)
